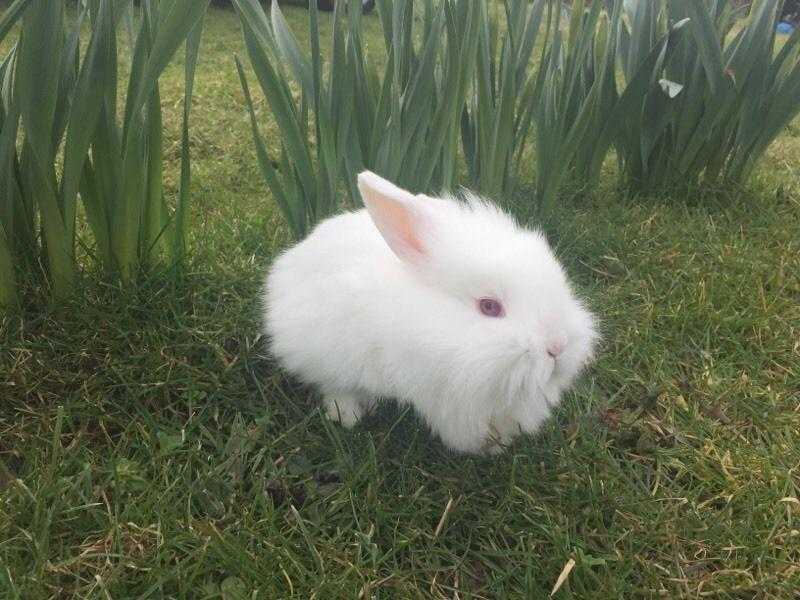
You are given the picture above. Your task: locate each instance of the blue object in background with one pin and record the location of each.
(784, 27)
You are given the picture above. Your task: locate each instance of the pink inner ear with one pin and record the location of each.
(395, 221)
(396, 215)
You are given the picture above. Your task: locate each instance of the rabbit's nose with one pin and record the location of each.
(556, 346)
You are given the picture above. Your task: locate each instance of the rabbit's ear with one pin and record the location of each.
(393, 212)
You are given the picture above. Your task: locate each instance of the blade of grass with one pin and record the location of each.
(265, 164)
(38, 77)
(181, 224)
(11, 15)
(95, 76)
(8, 278)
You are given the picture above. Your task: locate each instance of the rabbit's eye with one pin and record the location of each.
(491, 307)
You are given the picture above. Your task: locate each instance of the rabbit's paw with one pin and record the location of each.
(346, 409)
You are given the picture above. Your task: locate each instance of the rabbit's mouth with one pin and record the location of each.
(530, 375)
(543, 369)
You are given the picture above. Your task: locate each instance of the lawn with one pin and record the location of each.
(149, 448)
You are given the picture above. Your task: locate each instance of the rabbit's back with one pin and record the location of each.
(321, 298)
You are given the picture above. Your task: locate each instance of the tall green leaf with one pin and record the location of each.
(192, 54)
(40, 53)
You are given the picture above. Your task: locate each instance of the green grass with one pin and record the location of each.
(182, 464)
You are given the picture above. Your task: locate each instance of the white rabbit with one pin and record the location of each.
(448, 306)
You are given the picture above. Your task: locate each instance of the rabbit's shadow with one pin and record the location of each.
(392, 452)
(396, 441)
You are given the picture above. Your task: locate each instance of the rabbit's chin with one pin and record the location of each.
(482, 410)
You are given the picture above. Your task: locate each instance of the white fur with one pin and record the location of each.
(346, 313)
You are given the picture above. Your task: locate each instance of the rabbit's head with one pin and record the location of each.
(500, 281)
